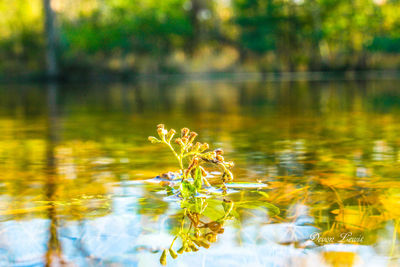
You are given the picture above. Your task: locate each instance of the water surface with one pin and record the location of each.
(72, 158)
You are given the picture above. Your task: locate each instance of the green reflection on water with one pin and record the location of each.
(328, 151)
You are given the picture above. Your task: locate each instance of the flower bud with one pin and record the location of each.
(181, 250)
(173, 253)
(162, 126)
(204, 147)
(219, 151)
(179, 142)
(196, 147)
(214, 226)
(185, 140)
(162, 132)
(170, 135)
(193, 248)
(153, 140)
(163, 258)
(184, 132)
(204, 244)
(229, 164)
(192, 136)
(196, 242)
(186, 247)
(209, 156)
(220, 158)
(211, 237)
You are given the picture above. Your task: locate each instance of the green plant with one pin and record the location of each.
(191, 158)
(202, 221)
(202, 218)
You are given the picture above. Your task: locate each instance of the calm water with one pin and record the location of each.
(74, 160)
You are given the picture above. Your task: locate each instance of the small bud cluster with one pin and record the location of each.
(195, 153)
(200, 234)
(217, 158)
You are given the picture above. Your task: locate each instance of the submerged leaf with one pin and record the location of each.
(187, 189)
(195, 205)
(214, 210)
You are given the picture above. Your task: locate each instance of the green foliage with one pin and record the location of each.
(249, 15)
(161, 36)
(385, 44)
(145, 29)
(198, 179)
(187, 189)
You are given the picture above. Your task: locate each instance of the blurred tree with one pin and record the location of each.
(313, 32)
(258, 22)
(51, 39)
(151, 29)
(123, 36)
(348, 27)
(269, 25)
(21, 45)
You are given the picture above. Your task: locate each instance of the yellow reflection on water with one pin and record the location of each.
(70, 163)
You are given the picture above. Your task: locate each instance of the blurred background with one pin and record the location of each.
(119, 38)
(320, 133)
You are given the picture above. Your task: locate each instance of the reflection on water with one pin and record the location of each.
(73, 158)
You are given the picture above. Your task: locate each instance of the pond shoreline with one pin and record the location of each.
(109, 77)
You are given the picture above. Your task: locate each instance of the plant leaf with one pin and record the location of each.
(197, 179)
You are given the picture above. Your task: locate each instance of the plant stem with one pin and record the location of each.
(173, 241)
(180, 157)
(183, 220)
(205, 181)
(176, 155)
(189, 154)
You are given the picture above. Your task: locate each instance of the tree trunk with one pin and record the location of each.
(51, 40)
(315, 52)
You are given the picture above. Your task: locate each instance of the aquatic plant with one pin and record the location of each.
(191, 158)
(202, 218)
(201, 222)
